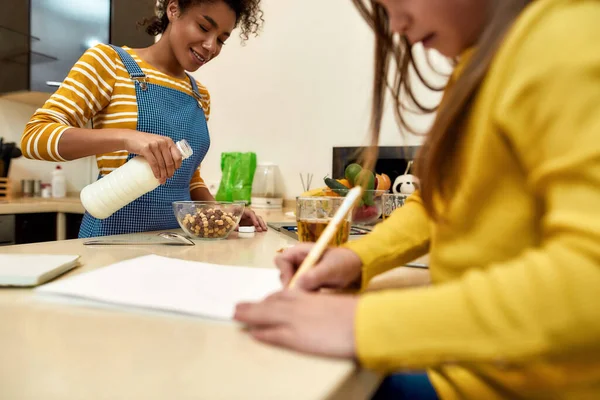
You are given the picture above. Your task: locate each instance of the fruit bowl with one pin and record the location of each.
(369, 210)
(370, 207)
(208, 220)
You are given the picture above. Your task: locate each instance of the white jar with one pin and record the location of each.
(46, 191)
(122, 186)
(59, 183)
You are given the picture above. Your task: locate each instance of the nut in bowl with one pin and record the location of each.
(208, 220)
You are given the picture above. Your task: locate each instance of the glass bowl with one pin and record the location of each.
(369, 210)
(208, 220)
(392, 201)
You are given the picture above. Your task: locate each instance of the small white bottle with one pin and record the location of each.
(122, 186)
(46, 191)
(59, 183)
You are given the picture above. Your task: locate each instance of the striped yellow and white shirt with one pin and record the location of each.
(98, 88)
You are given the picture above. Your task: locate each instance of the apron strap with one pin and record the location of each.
(138, 76)
(135, 72)
(197, 94)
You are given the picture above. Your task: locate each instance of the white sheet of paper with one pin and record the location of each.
(173, 285)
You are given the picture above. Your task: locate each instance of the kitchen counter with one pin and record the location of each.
(57, 351)
(70, 204)
(32, 205)
(53, 350)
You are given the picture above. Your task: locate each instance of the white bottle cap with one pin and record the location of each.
(185, 149)
(247, 229)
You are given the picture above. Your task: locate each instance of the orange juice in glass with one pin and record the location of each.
(313, 214)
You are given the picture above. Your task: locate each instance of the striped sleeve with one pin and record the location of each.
(86, 90)
(197, 182)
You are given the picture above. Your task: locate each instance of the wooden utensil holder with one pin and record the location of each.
(5, 189)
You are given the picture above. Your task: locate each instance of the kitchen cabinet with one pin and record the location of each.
(73, 225)
(35, 228)
(66, 30)
(124, 30)
(7, 230)
(14, 45)
(40, 40)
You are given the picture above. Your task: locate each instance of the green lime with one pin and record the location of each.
(366, 179)
(352, 171)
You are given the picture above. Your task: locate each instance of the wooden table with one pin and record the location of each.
(59, 351)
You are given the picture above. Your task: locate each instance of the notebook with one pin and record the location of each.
(170, 285)
(28, 270)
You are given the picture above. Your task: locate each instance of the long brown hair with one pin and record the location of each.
(445, 135)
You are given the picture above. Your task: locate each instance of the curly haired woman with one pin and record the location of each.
(141, 102)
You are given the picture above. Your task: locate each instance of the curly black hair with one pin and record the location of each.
(249, 16)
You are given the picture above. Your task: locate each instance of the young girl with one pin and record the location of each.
(141, 102)
(509, 211)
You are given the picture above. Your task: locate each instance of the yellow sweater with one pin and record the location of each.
(514, 311)
(98, 88)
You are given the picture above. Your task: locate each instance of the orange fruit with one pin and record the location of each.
(330, 193)
(383, 182)
(345, 182)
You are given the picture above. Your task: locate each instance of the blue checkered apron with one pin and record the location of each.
(167, 112)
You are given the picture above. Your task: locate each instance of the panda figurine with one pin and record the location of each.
(405, 184)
